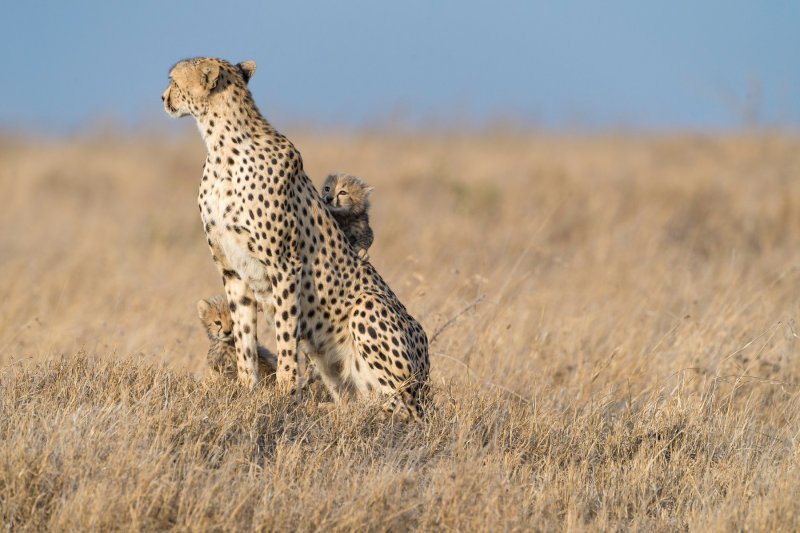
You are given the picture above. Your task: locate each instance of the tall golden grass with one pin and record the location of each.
(615, 323)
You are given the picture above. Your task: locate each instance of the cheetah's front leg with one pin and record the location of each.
(285, 294)
(242, 304)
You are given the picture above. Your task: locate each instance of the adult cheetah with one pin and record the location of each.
(271, 237)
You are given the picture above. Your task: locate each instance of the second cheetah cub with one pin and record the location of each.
(216, 319)
(347, 198)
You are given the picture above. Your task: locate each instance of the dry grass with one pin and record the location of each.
(631, 361)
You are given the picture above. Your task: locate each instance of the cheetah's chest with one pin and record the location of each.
(221, 210)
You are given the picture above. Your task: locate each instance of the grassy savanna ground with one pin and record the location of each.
(623, 354)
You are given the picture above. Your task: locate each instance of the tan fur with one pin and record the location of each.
(216, 320)
(273, 239)
(348, 199)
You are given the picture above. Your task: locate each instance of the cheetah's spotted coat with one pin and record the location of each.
(270, 235)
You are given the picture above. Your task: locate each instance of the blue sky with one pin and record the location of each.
(560, 65)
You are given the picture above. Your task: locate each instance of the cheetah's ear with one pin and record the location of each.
(248, 68)
(368, 190)
(203, 307)
(209, 74)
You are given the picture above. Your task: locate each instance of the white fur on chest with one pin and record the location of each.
(233, 246)
(250, 269)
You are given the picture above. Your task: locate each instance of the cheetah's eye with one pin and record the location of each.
(342, 193)
(217, 322)
(326, 189)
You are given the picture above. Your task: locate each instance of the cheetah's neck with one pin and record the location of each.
(347, 219)
(229, 125)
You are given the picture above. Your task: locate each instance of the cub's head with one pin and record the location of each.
(216, 318)
(345, 193)
(195, 84)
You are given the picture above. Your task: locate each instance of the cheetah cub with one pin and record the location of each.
(216, 319)
(347, 198)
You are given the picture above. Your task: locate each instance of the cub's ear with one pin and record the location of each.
(368, 190)
(203, 307)
(209, 74)
(248, 68)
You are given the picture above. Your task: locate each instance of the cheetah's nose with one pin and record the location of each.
(326, 199)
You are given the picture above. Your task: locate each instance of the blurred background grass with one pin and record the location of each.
(655, 254)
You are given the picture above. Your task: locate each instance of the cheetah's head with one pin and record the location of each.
(216, 318)
(195, 84)
(345, 193)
